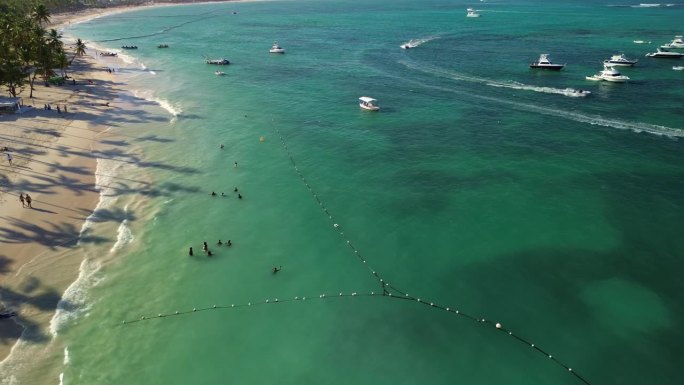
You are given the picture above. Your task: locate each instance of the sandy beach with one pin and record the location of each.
(53, 162)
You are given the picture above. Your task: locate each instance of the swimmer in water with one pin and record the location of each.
(235, 164)
(276, 269)
(223, 195)
(190, 252)
(205, 247)
(219, 242)
(229, 243)
(209, 253)
(235, 189)
(221, 146)
(213, 193)
(239, 196)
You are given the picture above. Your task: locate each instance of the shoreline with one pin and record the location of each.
(59, 161)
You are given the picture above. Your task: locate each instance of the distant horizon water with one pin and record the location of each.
(484, 194)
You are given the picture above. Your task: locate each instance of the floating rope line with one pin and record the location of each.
(167, 29)
(480, 321)
(391, 291)
(388, 291)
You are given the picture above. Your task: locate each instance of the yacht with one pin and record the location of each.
(678, 68)
(220, 62)
(665, 54)
(609, 74)
(368, 103)
(545, 63)
(276, 48)
(472, 13)
(641, 42)
(620, 60)
(676, 43)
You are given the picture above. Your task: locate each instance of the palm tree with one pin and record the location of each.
(40, 14)
(79, 49)
(53, 40)
(62, 62)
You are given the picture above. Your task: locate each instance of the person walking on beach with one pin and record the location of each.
(28, 201)
(9, 158)
(21, 198)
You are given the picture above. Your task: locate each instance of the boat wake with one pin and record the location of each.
(574, 116)
(413, 43)
(569, 92)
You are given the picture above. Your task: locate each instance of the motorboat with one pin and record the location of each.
(677, 42)
(220, 62)
(609, 74)
(276, 48)
(620, 60)
(665, 54)
(641, 42)
(545, 63)
(108, 54)
(576, 93)
(219, 73)
(129, 47)
(678, 68)
(472, 14)
(368, 103)
(163, 46)
(406, 46)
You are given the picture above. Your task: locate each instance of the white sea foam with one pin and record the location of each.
(66, 356)
(61, 379)
(124, 236)
(152, 72)
(104, 172)
(173, 109)
(74, 302)
(413, 43)
(575, 116)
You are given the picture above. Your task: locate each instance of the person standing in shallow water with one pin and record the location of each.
(190, 252)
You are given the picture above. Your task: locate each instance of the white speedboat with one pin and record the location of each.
(665, 54)
(368, 103)
(276, 48)
(641, 42)
(472, 14)
(609, 74)
(576, 93)
(677, 42)
(620, 60)
(678, 68)
(219, 73)
(545, 63)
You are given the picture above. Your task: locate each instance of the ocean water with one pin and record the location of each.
(480, 186)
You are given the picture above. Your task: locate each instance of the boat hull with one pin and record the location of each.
(620, 63)
(277, 51)
(369, 108)
(550, 67)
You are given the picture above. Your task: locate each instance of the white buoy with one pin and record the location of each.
(267, 301)
(214, 306)
(532, 345)
(498, 325)
(353, 293)
(159, 315)
(177, 312)
(276, 300)
(193, 309)
(232, 305)
(447, 309)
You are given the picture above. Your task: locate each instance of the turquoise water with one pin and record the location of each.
(479, 186)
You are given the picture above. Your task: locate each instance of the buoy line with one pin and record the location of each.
(406, 297)
(388, 291)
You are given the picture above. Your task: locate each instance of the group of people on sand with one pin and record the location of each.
(48, 107)
(25, 200)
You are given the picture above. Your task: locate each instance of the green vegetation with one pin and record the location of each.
(28, 50)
